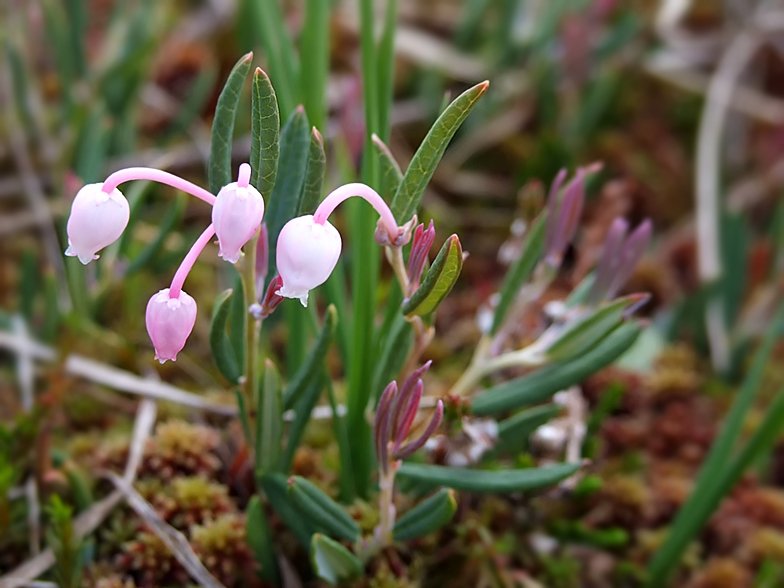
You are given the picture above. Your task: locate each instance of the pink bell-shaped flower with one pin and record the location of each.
(307, 253)
(97, 220)
(169, 322)
(236, 216)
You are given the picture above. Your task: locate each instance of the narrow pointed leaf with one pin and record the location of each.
(222, 352)
(513, 433)
(238, 321)
(269, 419)
(265, 131)
(321, 510)
(472, 480)
(426, 517)
(314, 177)
(391, 176)
(393, 353)
(284, 202)
(219, 171)
(541, 384)
(439, 280)
(522, 269)
(275, 487)
(423, 165)
(302, 411)
(588, 331)
(310, 369)
(332, 562)
(260, 541)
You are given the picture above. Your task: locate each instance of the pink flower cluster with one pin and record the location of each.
(308, 246)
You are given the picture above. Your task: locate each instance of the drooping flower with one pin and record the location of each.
(97, 220)
(236, 215)
(307, 253)
(169, 323)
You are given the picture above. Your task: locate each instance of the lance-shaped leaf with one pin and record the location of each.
(265, 130)
(332, 562)
(311, 367)
(439, 280)
(302, 411)
(238, 321)
(472, 480)
(269, 418)
(284, 202)
(221, 348)
(426, 517)
(219, 171)
(423, 165)
(391, 176)
(587, 331)
(314, 178)
(513, 432)
(324, 512)
(260, 541)
(522, 269)
(275, 487)
(541, 384)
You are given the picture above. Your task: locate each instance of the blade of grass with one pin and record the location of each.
(315, 62)
(690, 516)
(386, 69)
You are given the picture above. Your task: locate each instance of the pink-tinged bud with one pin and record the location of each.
(271, 299)
(169, 322)
(97, 220)
(420, 247)
(307, 252)
(236, 215)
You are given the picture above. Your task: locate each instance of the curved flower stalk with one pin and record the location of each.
(309, 246)
(100, 214)
(395, 416)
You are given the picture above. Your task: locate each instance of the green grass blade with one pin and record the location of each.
(541, 384)
(344, 446)
(219, 170)
(689, 517)
(260, 541)
(302, 410)
(386, 68)
(265, 134)
(315, 61)
(472, 480)
(425, 160)
(522, 269)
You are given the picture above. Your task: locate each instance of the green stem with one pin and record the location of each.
(254, 328)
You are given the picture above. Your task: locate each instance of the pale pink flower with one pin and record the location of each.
(97, 220)
(169, 322)
(236, 215)
(307, 252)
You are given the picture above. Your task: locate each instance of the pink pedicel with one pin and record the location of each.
(169, 322)
(236, 215)
(307, 253)
(97, 220)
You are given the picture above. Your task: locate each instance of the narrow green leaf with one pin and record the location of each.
(325, 513)
(472, 480)
(332, 562)
(513, 432)
(275, 487)
(284, 202)
(391, 176)
(393, 354)
(314, 177)
(426, 517)
(386, 68)
(265, 134)
(302, 411)
(439, 280)
(310, 369)
(238, 321)
(344, 446)
(423, 165)
(522, 269)
(222, 352)
(586, 332)
(541, 384)
(260, 541)
(269, 420)
(219, 171)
